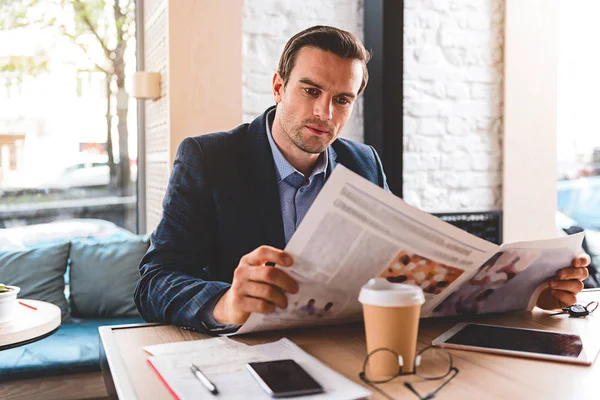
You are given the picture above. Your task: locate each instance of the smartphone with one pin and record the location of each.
(284, 378)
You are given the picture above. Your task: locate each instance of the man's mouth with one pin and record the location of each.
(318, 130)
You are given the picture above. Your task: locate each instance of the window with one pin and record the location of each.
(68, 129)
(578, 125)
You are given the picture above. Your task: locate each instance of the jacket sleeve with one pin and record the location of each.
(175, 285)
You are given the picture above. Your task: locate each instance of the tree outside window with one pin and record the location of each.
(72, 60)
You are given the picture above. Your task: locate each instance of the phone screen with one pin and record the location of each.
(497, 337)
(284, 378)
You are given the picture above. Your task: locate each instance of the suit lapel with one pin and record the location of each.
(263, 191)
(332, 162)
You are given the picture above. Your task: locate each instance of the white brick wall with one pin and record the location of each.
(157, 119)
(453, 65)
(268, 24)
(453, 71)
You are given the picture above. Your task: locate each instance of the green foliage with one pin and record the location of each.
(4, 288)
(25, 65)
(14, 14)
(110, 24)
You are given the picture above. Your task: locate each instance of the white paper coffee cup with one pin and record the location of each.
(391, 313)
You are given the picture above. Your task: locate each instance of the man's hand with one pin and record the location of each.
(562, 290)
(256, 287)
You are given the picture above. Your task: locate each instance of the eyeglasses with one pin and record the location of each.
(431, 363)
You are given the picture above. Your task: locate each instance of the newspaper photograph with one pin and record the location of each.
(355, 231)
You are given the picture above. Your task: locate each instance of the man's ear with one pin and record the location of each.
(277, 87)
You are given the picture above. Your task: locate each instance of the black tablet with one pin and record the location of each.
(531, 343)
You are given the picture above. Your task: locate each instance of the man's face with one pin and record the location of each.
(317, 101)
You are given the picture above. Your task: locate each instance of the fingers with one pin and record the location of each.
(269, 275)
(257, 287)
(573, 286)
(251, 304)
(580, 273)
(272, 276)
(566, 298)
(547, 301)
(582, 260)
(265, 254)
(567, 285)
(263, 291)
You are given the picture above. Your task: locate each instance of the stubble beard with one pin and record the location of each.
(314, 144)
(316, 147)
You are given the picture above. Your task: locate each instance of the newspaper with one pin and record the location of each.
(355, 231)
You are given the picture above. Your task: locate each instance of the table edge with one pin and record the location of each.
(121, 382)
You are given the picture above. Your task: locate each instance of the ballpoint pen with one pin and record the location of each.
(204, 380)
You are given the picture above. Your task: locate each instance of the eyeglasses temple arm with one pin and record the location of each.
(412, 389)
(455, 370)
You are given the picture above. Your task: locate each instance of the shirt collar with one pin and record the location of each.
(282, 165)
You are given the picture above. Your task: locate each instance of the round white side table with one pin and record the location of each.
(34, 321)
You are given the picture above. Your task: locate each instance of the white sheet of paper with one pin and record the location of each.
(225, 366)
(192, 346)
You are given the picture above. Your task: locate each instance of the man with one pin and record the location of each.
(235, 198)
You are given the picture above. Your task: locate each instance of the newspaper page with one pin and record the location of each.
(512, 278)
(355, 231)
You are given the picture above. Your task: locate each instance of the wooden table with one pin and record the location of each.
(33, 321)
(342, 347)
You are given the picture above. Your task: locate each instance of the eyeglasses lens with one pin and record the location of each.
(381, 366)
(435, 363)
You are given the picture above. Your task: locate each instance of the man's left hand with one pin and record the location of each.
(563, 289)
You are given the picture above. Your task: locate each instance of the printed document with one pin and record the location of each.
(224, 360)
(356, 231)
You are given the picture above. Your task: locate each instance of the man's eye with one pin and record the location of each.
(311, 91)
(342, 101)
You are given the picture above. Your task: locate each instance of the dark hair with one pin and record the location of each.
(327, 38)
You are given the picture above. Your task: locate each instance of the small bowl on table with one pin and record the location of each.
(8, 302)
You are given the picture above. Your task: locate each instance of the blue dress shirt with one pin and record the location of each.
(296, 195)
(296, 192)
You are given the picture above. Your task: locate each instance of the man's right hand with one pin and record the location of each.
(256, 287)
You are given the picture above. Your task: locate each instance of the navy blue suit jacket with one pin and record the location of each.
(221, 203)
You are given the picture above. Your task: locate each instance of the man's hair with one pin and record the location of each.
(327, 38)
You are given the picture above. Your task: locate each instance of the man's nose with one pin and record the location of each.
(323, 108)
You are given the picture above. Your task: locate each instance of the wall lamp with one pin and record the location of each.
(146, 85)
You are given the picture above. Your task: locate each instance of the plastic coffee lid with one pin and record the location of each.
(381, 292)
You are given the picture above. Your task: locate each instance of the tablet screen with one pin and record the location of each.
(530, 341)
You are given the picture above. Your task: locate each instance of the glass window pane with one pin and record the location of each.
(579, 127)
(68, 129)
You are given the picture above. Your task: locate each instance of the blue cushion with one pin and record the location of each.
(74, 348)
(38, 270)
(103, 275)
